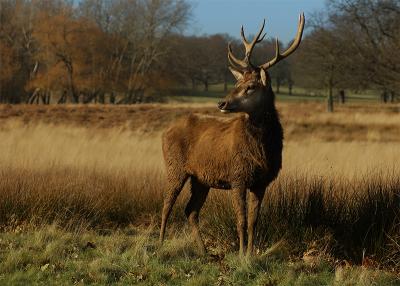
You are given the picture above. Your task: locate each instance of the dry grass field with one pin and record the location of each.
(81, 193)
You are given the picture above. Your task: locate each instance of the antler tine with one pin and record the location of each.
(291, 49)
(249, 46)
(277, 57)
(257, 37)
(244, 40)
(233, 60)
(299, 35)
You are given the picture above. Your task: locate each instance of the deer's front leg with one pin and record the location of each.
(254, 203)
(239, 205)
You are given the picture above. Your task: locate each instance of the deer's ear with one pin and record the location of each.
(237, 74)
(263, 76)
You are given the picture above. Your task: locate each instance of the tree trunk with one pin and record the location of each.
(72, 91)
(342, 97)
(102, 99)
(392, 96)
(74, 95)
(206, 85)
(384, 96)
(32, 98)
(330, 98)
(290, 88)
(140, 96)
(112, 98)
(193, 84)
(48, 97)
(43, 97)
(88, 97)
(129, 97)
(63, 98)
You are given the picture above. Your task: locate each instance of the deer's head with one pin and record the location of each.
(253, 82)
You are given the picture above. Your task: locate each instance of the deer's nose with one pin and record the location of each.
(221, 104)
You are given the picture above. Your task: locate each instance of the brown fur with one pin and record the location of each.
(241, 153)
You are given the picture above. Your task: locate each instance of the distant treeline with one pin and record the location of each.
(129, 51)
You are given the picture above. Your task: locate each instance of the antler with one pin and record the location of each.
(245, 63)
(278, 56)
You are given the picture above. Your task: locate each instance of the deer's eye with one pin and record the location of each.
(250, 89)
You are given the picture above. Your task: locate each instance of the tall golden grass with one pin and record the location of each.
(335, 193)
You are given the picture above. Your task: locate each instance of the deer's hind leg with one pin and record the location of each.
(199, 194)
(175, 184)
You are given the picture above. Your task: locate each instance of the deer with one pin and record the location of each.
(242, 154)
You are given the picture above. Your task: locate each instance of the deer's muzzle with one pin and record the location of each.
(223, 106)
(227, 106)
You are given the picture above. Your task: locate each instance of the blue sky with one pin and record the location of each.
(226, 16)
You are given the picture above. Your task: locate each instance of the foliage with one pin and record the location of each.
(131, 50)
(82, 52)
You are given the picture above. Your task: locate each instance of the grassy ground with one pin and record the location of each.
(81, 192)
(130, 256)
(216, 92)
(302, 121)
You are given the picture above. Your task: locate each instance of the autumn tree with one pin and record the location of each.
(16, 49)
(104, 47)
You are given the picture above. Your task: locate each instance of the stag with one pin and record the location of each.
(238, 154)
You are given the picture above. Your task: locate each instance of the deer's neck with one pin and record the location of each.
(266, 115)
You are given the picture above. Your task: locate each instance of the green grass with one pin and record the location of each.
(49, 255)
(89, 237)
(216, 92)
(84, 220)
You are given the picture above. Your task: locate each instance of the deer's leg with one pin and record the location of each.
(254, 203)
(239, 205)
(175, 186)
(196, 201)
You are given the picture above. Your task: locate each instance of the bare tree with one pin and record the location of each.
(317, 64)
(150, 23)
(374, 55)
(17, 49)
